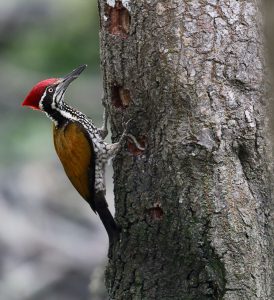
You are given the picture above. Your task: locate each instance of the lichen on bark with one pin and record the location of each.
(194, 206)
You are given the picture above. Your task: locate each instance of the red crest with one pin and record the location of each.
(34, 96)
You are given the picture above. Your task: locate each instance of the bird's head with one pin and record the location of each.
(50, 91)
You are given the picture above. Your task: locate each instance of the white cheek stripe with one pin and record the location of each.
(67, 115)
(41, 100)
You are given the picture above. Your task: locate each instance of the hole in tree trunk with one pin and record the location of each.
(118, 19)
(156, 213)
(120, 97)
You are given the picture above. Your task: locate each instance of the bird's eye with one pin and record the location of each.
(50, 90)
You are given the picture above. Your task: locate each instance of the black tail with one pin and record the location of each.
(106, 217)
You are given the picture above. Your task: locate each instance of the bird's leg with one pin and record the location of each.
(103, 131)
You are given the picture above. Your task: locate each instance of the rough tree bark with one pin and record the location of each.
(268, 8)
(194, 206)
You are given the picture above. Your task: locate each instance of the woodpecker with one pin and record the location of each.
(80, 146)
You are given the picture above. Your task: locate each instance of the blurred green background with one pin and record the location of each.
(50, 241)
(41, 39)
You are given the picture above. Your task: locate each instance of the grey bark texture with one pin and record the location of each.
(268, 6)
(194, 206)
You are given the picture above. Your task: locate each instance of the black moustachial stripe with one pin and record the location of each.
(54, 114)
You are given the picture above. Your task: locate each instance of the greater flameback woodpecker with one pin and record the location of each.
(78, 143)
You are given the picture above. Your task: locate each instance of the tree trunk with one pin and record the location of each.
(194, 205)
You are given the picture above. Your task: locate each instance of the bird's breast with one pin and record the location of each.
(76, 154)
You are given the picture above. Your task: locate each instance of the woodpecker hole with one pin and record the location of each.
(120, 97)
(156, 213)
(118, 19)
(132, 147)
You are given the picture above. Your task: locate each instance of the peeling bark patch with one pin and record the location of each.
(117, 19)
(132, 147)
(120, 97)
(156, 213)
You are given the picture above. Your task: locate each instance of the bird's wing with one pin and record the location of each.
(76, 153)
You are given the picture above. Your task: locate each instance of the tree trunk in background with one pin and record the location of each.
(194, 206)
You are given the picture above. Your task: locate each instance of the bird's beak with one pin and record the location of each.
(67, 80)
